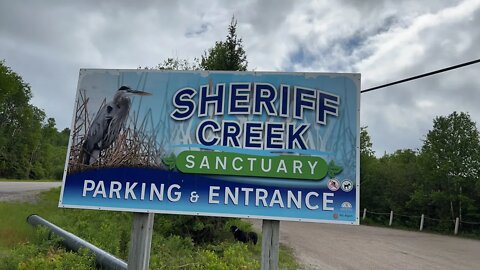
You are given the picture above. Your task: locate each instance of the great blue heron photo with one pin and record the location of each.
(107, 125)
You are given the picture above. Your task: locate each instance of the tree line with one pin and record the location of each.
(439, 180)
(31, 147)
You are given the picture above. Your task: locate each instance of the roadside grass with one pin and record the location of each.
(13, 225)
(23, 247)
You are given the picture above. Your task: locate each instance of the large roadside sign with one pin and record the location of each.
(270, 145)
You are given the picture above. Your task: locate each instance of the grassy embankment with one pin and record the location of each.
(22, 247)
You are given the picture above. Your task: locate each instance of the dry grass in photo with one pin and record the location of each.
(135, 146)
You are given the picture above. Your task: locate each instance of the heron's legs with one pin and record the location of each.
(94, 156)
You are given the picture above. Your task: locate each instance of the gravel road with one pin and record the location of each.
(329, 246)
(24, 191)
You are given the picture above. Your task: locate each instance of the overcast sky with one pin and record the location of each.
(47, 42)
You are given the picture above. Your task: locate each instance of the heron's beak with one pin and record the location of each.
(139, 93)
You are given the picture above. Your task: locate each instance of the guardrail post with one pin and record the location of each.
(391, 218)
(421, 222)
(364, 213)
(457, 221)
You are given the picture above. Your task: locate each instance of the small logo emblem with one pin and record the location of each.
(335, 216)
(346, 205)
(333, 184)
(347, 185)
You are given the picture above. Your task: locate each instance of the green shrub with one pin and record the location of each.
(45, 252)
(59, 259)
(202, 230)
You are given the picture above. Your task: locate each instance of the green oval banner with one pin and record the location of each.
(223, 163)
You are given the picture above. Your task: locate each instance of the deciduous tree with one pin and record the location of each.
(451, 163)
(29, 146)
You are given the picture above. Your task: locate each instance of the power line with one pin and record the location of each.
(421, 75)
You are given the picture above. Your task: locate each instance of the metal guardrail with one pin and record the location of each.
(73, 242)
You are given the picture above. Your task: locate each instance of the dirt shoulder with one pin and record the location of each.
(329, 246)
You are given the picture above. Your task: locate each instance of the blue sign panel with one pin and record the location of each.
(265, 145)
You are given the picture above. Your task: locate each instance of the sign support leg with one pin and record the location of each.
(270, 244)
(140, 241)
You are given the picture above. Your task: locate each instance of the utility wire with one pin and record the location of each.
(421, 75)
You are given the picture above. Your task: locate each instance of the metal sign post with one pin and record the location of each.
(140, 241)
(270, 244)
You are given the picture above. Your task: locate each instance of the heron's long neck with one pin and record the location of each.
(121, 99)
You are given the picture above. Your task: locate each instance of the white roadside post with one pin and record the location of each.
(391, 218)
(364, 213)
(456, 225)
(140, 241)
(270, 244)
(421, 222)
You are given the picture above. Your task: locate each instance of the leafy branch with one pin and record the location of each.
(170, 161)
(333, 169)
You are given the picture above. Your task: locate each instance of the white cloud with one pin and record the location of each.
(428, 42)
